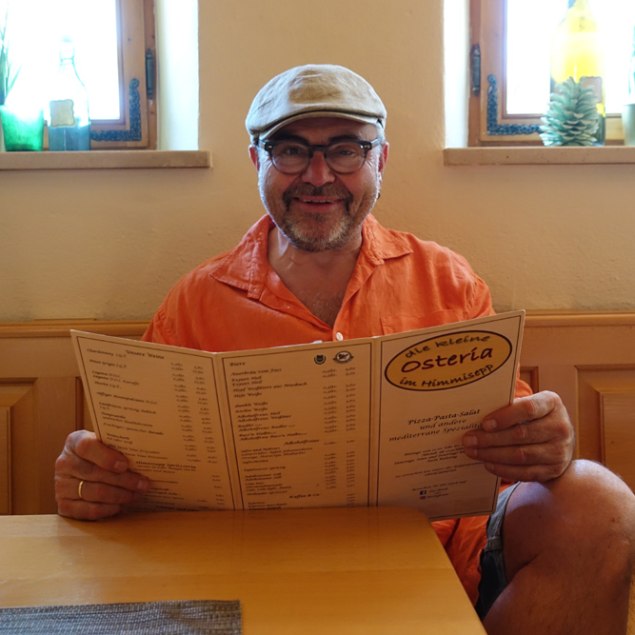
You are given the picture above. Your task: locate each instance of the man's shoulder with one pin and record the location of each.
(233, 265)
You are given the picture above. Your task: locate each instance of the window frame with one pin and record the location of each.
(488, 124)
(137, 128)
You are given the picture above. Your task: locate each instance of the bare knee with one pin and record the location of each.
(587, 513)
(569, 551)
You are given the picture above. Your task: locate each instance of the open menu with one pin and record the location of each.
(373, 421)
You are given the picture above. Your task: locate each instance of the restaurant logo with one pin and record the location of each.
(343, 357)
(448, 361)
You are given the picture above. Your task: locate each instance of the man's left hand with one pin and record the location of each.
(530, 440)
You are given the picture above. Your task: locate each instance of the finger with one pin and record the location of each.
(98, 491)
(86, 458)
(85, 445)
(86, 511)
(523, 410)
(520, 434)
(540, 473)
(70, 470)
(536, 419)
(538, 454)
(91, 473)
(91, 500)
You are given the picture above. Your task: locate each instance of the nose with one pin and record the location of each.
(318, 172)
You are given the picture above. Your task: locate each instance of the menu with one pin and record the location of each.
(373, 421)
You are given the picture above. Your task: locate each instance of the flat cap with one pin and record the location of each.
(313, 90)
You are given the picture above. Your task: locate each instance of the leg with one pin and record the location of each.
(569, 548)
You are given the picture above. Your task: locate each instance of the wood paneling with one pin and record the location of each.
(589, 359)
(618, 412)
(41, 402)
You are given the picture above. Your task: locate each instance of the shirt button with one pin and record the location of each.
(339, 337)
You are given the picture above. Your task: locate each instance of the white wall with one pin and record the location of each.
(108, 244)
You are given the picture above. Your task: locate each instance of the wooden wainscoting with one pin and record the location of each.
(41, 401)
(588, 358)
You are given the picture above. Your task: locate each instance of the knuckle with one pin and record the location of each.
(520, 432)
(521, 456)
(530, 405)
(82, 441)
(62, 463)
(64, 508)
(96, 511)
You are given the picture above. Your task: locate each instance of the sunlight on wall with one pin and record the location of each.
(178, 82)
(456, 78)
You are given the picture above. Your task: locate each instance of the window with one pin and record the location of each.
(509, 65)
(114, 53)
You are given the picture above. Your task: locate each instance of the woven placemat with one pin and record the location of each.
(191, 617)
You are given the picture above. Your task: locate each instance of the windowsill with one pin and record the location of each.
(105, 159)
(539, 155)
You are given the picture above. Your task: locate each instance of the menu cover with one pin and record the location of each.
(372, 421)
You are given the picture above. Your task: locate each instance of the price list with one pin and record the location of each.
(301, 420)
(159, 408)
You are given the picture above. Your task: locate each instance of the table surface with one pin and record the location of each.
(346, 570)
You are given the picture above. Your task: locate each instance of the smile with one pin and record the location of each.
(317, 200)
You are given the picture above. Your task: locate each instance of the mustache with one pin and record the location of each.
(330, 190)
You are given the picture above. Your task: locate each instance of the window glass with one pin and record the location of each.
(529, 28)
(512, 41)
(110, 38)
(35, 29)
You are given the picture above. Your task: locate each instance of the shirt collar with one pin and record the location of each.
(247, 266)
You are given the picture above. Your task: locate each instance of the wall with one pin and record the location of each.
(108, 244)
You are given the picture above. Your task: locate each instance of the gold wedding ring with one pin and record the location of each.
(79, 490)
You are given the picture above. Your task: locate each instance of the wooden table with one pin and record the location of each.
(327, 571)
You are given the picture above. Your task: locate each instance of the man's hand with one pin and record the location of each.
(106, 482)
(530, 440)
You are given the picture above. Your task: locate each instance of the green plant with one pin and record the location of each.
(8, 74)
(572, 118)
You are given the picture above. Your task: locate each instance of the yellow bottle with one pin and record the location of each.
(577, 53)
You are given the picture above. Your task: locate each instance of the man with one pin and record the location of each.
(557, 555)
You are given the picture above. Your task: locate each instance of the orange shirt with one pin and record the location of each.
(236, 301)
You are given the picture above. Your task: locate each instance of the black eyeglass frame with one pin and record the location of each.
(366, 146)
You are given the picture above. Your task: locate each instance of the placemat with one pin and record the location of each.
(191, 617)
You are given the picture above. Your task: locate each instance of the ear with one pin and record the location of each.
(383, 157)
(254, 156)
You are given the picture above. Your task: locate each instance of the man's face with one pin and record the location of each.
(319, 209)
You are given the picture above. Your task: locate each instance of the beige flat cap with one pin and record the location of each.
(313, 90)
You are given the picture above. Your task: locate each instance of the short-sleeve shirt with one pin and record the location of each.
(236, 301)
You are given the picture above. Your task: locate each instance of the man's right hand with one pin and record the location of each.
(107, 484)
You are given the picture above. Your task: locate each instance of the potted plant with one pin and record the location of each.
(22, 122)
(8, 74)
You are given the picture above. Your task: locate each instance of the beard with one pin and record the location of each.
(319, 231)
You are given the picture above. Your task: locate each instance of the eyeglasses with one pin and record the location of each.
(343, 157)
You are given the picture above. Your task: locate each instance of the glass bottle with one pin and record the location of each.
(577, 53)
(69, 120)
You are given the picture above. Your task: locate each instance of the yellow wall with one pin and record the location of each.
(108, 244)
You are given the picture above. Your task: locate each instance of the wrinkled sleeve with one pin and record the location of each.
(157, 331)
